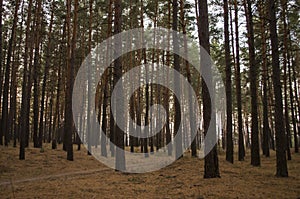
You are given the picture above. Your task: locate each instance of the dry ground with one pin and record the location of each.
(50, 175)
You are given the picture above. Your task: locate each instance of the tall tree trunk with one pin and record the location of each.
(188, 72)
(255, 157)
(241, 147)
(89, 111)
(7, 76)
(177, 100)
(167, 94)
(56, 119)
(281, 163)
(36, 66)
(229, 141)
(70, 78)
(287, 79)
(1, 64)
(266, 128)
(120, 153)
(211, 163)
(144, 147)
(105, 82)
(46, 71)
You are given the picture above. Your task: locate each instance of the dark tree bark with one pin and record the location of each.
(46, 71)
(68, 128)
(167, 94)
(229, 141)
(211, 163)
(105, 82)
(37, 138)
(266, 128)
(178, 142)
(287, 80)
(241, 146)
(281, 163)
(7, 76)
(1, 64)
(144, 147)
(188, 72)
(120, 154)
(255, 157)
(56, 119)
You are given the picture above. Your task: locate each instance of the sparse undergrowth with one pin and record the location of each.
(49, 174)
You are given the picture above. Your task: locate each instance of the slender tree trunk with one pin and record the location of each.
(7, 76)
(281, 162)
(255, 157)
(177, 100)
(167, 94)
(229, 141)
(266, 128)
(37, 139)
(241, 147)
(120, 154)
(188, 72)
(70, 78)
(285, 77)
(57, 107)
(1, 64)
(48, 51)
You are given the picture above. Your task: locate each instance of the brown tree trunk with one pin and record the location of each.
(211, 163)
(120, 154)
(46, 71)
(177, 100)
(281, 163)
(266, 128)
(4, 126)
(68, 128)
(1, 64)
(229, 141)
(255, 157)
(241, 147)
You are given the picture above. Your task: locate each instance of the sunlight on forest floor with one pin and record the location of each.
(49, 174)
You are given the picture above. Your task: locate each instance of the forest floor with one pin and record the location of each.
(48, 174)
